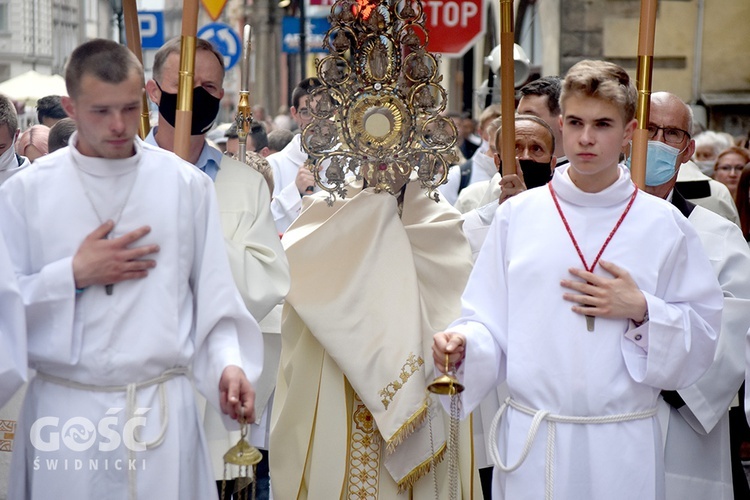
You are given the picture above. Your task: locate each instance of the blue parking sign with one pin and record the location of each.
(225, 39)
(152, 28)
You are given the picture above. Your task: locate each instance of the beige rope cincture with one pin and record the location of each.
(130, 391)
(540, 416)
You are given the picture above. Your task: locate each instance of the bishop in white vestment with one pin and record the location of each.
(372, 281)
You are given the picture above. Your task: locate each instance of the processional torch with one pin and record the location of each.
(646, 33)
(244, 117)
(243, 457)
(507, 89)
(133, 38)
(184, 113)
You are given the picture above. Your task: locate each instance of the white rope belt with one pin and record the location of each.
(540, 416)
(130, 391)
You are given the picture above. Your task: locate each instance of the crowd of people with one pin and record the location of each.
(600, 330)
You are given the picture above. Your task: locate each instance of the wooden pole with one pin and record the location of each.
(184, 114)
(646, 33)
(507, 89)
(133, 37)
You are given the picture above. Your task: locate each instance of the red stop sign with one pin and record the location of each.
(454, 25)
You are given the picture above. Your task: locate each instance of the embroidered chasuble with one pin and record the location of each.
(351, 415)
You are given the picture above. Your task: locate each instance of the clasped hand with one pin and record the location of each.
(102, 261)
(450, 343)
(595, 295)
(236, 393)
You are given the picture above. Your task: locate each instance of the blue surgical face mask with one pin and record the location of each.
(660, 163)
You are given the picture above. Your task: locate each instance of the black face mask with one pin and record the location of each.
(535, 173)
(205, 109)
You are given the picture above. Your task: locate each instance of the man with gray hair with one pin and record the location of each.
(696, 420)
(697, 187)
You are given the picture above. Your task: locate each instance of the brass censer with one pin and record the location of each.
(245, 457)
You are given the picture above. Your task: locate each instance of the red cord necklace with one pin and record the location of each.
(590, 319)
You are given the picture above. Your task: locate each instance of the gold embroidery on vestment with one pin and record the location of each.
(7, 433)
(364, 454)
(412, 366)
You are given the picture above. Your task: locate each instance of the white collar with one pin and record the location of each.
(618, 192)
(105, 167)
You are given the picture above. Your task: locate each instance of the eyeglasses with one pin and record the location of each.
(730, 168)
(672, 135)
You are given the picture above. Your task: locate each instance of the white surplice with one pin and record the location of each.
(185, 313)
(7, 173)
(287, 202)
(12, 330)
(13, 360)
(520, 330)
(697, 453)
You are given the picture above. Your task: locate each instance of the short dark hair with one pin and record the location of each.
(8, 114)
(304, 88)
(257, 134)
(59, 134)
(50, 107)
(106, 60)
(549, 86)
(173, 47)
(279, 138)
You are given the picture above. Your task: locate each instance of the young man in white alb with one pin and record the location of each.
(118, 250)
(587, 298)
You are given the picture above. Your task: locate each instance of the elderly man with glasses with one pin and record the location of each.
(691, 183)
(696, 420)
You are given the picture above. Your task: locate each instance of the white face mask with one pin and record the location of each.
(706, 166)
(8, 158)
